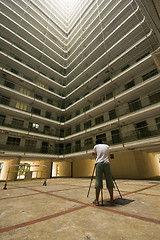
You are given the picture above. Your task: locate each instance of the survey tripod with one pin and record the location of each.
(101, 189)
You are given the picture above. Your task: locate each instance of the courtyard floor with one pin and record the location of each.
(62, 211)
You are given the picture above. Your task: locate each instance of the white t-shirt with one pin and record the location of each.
(102, 151)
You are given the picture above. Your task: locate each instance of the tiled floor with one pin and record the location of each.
(62, 211)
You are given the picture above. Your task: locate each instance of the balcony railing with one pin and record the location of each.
(142, 133)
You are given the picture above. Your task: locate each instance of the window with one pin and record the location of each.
(13, 141)
(62, 133)
(102, 137)
(116, 136)
(68, 117)
(142, 57)
(4, 100)
(14, 71)
(125, 67)
(51, 89)
(21, 106)
(39, 97)
(150, 74)
(17, 123)
(9, 84)
(78, 146)
(129, 84)
(28, 78)
(36, 111)
(49, 101)
(48, 115)
(78, 128)
(24, 91)
(88, 143)
(68, 148)
(155, 98)
(87, 124)
(107, 79)
(46, 129)
(77, 112)
(2, 119)
(112, 114)
(33, 126)
(44, 148)
(99, 119)
(68, 131)
(30, 143)
(109, 95)
(99, 101)
(142, 129)
(86, 108)
(135, 105)
(40, 84)
(158, 122)
(59, 149)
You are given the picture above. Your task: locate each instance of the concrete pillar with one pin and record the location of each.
(7, 166)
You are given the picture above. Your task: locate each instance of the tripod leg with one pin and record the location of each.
(102, 195)
(91, 180)
(117, 187)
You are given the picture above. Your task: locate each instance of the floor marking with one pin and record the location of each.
(21, 225)
(85, 205)
(128, 214)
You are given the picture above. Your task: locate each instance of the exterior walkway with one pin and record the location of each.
(62, 211)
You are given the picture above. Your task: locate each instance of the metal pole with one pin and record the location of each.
(91, 180)
(117, 187)
(102, 195)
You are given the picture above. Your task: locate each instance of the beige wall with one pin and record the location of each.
(135, 165)
(64, 169)
(7, 165)
(129, 165)
(83, 168)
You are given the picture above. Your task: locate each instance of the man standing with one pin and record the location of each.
(101, 150)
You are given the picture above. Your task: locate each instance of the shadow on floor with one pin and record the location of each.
(118, 201)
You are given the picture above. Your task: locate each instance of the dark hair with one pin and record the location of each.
(99, 141)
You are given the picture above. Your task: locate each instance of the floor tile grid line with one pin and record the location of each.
(127, 214)
(72, 210)
(125, 194)
(149, 194)
(42, 219)
(79, 185)
(115, 211)
(41, 192)
(68, 211)
(19, 196)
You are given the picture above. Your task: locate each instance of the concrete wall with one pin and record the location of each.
(129, 165)
(135, 165)
(8, 166)
(83, 168)
(64, 169)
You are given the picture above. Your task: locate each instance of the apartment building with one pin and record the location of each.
(75, 71)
